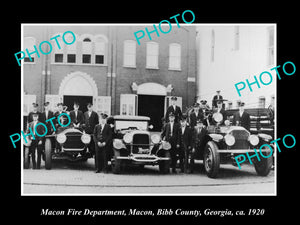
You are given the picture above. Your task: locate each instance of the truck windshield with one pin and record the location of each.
(140, 125)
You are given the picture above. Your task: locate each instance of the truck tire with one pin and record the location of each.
(263, 166)
(164, 166)
(48, 154)
(211, 159)
(26, 157)
(116, 164)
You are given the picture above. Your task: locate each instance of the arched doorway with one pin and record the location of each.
(80, 87)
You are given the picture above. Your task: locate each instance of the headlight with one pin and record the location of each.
(155, 138)
(253, 139)
(218, 117)
(118, 144)
(85, 138)
(127, 138)
(227, 122)
(266, 137)
(166, 145)
(61, 138)
(229, 139)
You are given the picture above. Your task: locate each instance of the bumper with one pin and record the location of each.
(242, 151)
(143, 158)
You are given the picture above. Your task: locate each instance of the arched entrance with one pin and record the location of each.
(80, 87)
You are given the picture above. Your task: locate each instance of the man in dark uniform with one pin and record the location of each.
(171, 133)
(199, 141)
(34, 111)
(47, 114)
(186, 144)
(216, 98)
(102, 137)
(173, 108)
(204, 109)
(111, 122)
(76, 116)
(63, 118)
(91, 119)
(241, 118)
(195, 115)
(221, 110)
(38, 142)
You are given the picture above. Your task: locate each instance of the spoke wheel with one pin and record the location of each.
(211, 159)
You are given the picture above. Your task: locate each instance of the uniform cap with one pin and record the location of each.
(203, 102)
(196, 104)
(184, 117)
(171, 114)
(103, 115)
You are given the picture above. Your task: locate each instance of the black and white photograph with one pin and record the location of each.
(149, 109)
(132, 114)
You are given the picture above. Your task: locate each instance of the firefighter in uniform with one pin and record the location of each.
(174, 109)
(37, 142)
(102, 137)
(171, 133)
(241, 118)
(186, 144)
(91, 119)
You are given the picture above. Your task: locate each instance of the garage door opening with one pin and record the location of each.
(82, 100)
(152, 106)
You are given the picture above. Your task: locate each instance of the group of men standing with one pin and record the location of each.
(186, 133)
(89, 121)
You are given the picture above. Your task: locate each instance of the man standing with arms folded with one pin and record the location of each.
(76, 116)
(102, 138)
(171, 133)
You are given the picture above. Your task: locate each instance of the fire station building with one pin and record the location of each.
(107, 67)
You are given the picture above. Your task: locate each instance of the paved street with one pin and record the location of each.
(79, 178)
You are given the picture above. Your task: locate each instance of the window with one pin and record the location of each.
(152, 55)
(100, 44)
(103, 105)
(271, 46)
(86, 50)
(129, 59)
(29, 42)
(58, 54)
(174, 56)
(71, 58)
(128, 104)
(261, 102)
(71, 49)
(86, 58)
(212, 46)
(236, 38)
(58, 58)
